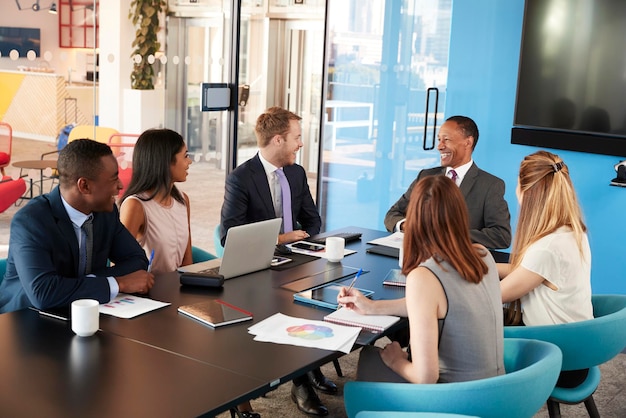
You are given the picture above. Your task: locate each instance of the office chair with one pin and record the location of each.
(6, 145)
(585, 345)
(532, 368)
(10, 191)
(392, 414)
(217, 241)
(198, 255)
(3, 268)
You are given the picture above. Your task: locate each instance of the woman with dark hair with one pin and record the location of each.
(153, 209)
(453, 300)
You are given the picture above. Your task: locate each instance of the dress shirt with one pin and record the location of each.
(78, 218)
(272, 180)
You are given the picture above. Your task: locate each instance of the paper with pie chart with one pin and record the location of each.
(283, 329)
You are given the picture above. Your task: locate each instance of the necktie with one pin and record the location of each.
(453, 176)
(86, 246)
(286, 198)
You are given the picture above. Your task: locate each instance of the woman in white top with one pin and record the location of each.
(153, 209)
(550, 265)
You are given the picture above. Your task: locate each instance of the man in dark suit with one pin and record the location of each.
(483, 192)
(253, 193)
(43, 263)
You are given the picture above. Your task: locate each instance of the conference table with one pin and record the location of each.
(165, 364)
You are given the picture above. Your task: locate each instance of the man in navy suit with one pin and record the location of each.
(253, 194)
(43, 263)
(483, 192)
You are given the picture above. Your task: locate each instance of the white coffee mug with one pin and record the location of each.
(334, 249)
(85, 317)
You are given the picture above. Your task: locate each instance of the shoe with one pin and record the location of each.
(307, 400)
(321, 382)
(234, 412)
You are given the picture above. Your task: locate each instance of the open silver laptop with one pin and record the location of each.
(248, 248)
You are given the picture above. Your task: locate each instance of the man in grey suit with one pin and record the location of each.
(483, 192)
(46, 268)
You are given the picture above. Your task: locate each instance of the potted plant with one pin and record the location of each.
(144, 14)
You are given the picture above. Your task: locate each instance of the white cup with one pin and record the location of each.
(334, 249)
(85, 317)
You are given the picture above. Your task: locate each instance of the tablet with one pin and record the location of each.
(325, 296)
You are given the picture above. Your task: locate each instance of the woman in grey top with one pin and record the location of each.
(453, 299)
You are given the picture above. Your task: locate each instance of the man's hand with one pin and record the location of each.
(292, 236)
(139, 281)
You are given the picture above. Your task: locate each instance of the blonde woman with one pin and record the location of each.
(550, 265)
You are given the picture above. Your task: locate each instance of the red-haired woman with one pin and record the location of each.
(453, 299)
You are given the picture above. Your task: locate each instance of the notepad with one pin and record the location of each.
(374, 323)
(215, 313)
(395, 278)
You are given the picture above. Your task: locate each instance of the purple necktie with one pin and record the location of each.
(453, 176)
(286, 195)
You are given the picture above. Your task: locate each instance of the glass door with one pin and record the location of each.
(384, 59)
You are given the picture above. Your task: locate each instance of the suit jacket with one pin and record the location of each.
(42, 266)
(490, 220)
(248, 199)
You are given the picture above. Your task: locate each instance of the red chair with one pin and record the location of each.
(123, 151)
(10, 191)
(6, 143)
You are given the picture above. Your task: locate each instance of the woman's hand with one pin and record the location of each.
(392, 353)
(353, 299)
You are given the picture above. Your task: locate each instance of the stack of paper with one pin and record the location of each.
(283, 329)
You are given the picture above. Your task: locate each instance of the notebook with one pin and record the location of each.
(395, 278)
(325, 295)
(248, 248)
(374, 323)
(215, 313)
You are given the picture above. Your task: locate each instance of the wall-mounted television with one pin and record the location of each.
(21, 39)
(571, 90)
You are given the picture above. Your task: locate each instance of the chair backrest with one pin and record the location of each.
(586, 343)
(532, 369)
(6, 144)
(3, 268)
(198, 255)
(10, 191)
(97, 133)
(217, 241)
(394, 414)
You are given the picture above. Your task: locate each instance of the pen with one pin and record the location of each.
(150, 261)
(358, 274)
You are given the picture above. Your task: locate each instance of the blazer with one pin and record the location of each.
(248, 199)
(42, 266)
(490, 220)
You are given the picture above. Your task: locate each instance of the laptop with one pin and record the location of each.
(248, 248)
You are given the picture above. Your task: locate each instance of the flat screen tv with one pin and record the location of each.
(571, 90)
(21, 39)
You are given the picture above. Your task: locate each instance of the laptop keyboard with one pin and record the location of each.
(211, 271)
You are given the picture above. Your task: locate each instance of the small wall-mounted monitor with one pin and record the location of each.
(21, 39)
(215, 96)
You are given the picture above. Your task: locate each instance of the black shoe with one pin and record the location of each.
(307, 400)
(234, 412)
(321, 382)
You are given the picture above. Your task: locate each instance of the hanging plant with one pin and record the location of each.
(144, 14)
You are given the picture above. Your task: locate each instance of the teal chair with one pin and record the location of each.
(217, 241)
(3, 268)
(198, 255)
(390, 414)
(532, 368)
(585, 345)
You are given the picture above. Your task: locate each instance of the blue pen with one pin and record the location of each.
(150, 261)
(358, 274)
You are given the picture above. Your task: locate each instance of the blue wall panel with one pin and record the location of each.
(484, 56)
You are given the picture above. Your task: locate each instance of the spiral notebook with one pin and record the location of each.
(373, 323)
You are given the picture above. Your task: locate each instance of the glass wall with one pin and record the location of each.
(385, 91)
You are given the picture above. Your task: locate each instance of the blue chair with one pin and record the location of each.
(198, 255)
(585, 345)
(532, 370)
(390, 414)
(217, 241)
(3, 268)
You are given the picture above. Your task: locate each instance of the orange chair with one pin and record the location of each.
(10, 191)
(6, 144)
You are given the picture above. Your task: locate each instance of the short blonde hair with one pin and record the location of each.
(548, 202)
(274, 121)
